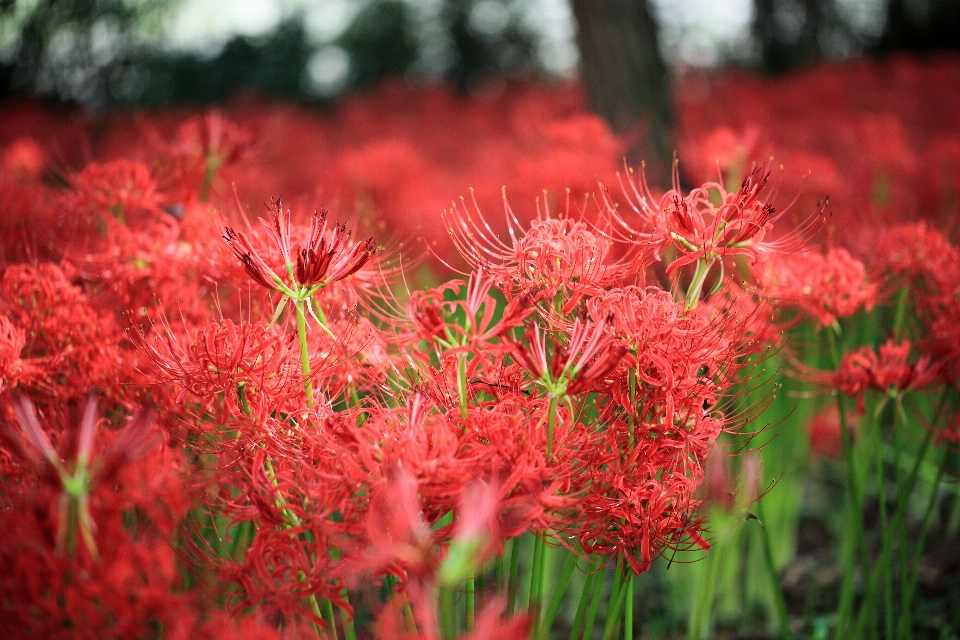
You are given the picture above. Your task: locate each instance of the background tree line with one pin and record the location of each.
(93, 52)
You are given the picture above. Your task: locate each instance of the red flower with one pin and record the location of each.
(701, 229)
(864, 369)
(590, 353)
(327, 256)
(824, 432)
(76, 479)
(826, 287)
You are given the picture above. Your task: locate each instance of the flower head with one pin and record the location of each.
(328, 255)
(707, 223)
(825, 286)
(889, 371)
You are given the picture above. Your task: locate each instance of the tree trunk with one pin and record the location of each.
(626, 77)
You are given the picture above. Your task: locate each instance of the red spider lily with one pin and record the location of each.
(824, 432)
(327, 256)
(678, 358)
(827, 287)
(700, 229)
(553, 256)
(120, 189)
(69, 346)
(887, 372)
(951, 433)
(75, 480)
(917, 251)
(590, 353)
(402, 544)
(247, 362)
(201, 147)
(24, 158)
(639, 509)
(12, 341)
(930, 267)
(469, 322)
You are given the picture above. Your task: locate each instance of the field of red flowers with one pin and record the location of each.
(435, 367)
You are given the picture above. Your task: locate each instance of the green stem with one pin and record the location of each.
(462, 383)
(617, 594)
(569, 565)
(594, 605)
(304, 353)
(879, 570)
(408, 615)
(628, 610)
(498, 573)
(702, 610)
(480, 590)
(328, 617)
(242, 395)
(447, 622)
(779, 599)
(580, 617)
(906, 602)
(551, 424)
(855, 514)
(349, 631)
(900, 314)
(696, 285)
(471, 604)
(536, 572)
(513, 581)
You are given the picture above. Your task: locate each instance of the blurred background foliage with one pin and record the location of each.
(155, 52)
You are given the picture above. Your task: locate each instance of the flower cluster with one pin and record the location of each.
(289, 437)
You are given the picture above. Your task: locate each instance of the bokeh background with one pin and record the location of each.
(385, 110)
(161, 52)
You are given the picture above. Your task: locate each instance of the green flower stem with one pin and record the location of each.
(855, 519)
(448, 626)
(778, 597)
(696, 285)
(702, 610)
(304, 352)
(580, 617)
(906, 601)
(628, 610)
(513, 581)
(498, 574)
(536, 579)
(617, 594)
(900, 315)
(408, 615)
(349, 631)
(471, 603)
(903, 502)
(594, 605)
(551, 424)
(244, 402)
(479, 589)
(881, 569)
(569, 565)
(462, 383)
(327, 616)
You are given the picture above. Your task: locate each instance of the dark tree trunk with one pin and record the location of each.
(793, 33)
(626, 77)
(921, 25)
